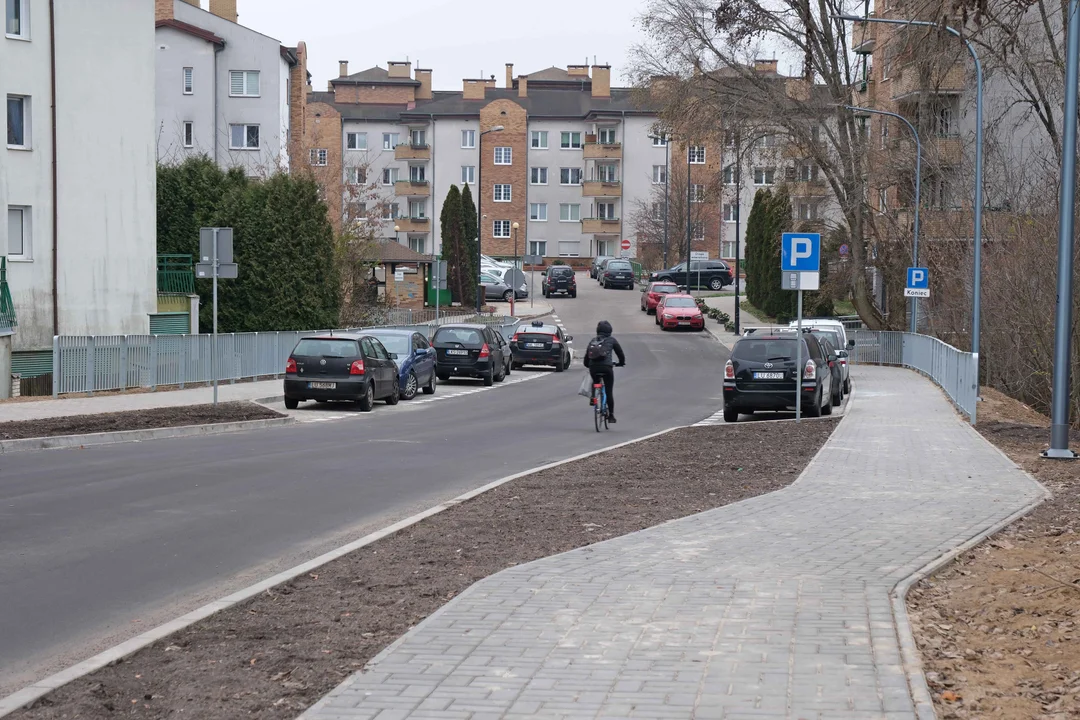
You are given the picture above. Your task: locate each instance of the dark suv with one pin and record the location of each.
(559, 279)
(617, 273)
(761, 375)
(711, 274)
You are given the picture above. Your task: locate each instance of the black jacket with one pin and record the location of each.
(616, 348)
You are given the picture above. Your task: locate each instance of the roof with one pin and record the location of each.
(396, 252)
(190, 30)
(391, 331)
(289, 55)
(374, 76)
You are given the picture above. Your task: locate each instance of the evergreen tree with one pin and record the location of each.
(470, 237)
(453, 245)
(756, 275)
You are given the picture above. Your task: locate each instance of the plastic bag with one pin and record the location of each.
(586, 386)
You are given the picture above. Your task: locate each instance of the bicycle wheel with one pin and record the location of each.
(597, 409)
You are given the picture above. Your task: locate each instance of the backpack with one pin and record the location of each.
(599, 349)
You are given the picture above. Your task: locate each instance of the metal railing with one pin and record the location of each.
(954, 371)
(97, 363)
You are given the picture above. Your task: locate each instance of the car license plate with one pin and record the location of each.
(768, 376)
(457, 352)
(322, 386)
(534, 345)
(684, 322)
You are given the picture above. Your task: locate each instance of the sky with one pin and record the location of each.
(456, 39)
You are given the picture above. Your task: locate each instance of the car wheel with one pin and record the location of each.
(716, 284)
(292, 403)
(429, 389)
(443, 377)
(731, 415)
(508, 296)
(815, 409)
(838, 397)
(517, 366)
(847, 386)
(561, 365)
(412, 385)
(489, 378)
(367, 400)
(501, 374)
(573, 294)
(393, 397)
(509, 367)
(631, 286)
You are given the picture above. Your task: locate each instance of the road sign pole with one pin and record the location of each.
(214, 343)
(798, 364)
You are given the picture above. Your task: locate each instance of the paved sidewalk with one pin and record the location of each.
(727, 304)
(777, 607)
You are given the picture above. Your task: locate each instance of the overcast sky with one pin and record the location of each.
(456, 39)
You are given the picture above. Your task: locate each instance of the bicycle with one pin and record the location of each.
(600, 409)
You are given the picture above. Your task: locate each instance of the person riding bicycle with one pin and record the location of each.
(599, 361)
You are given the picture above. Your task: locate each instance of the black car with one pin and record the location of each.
(354, 367)
(617, 273)
(541, 344)
(597, 263)
(473, 351)
(761, 375)
(559, 279)
(711, 274)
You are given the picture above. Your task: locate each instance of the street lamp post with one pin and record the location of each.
(689, 225)
(479, 216)
(738, 213)
(918, 204)
(513, 278)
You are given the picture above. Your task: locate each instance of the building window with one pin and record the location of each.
(699, 230)
(356, 211)
(392, 211)
(569, 212)
(607, 136)
(502, 193)
(657, 211)
(606, 211)
(767, 141)
(729, 175)
(416, 244)
(417, 209)
(945, 122)
(244, 137)
(659, 140)
(607, 173)
(417, 174)
(501, 229)
(807, 172)
(18, 121)
(356, 175)
(659, 175)
(538, 247)
(570, 141)
(729, 212)
(468, 174)
(18, 232)
(244, 83)
(189, 134)
(538, 175)
(697, 193)
(16, 24)
(390, 140)
(539, 140)
(808, 211)
(356, 141)
(317, 157)
(418, 138)
(727, 249)
(569, 176)
(569, 248)
(389, 176)
(538, 212)
(764, 176)
(468, 138)
(883, 200)
(189, 80)
(697, 154)
(503, 155)
(729, 138)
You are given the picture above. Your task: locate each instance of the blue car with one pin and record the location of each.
(415, 359)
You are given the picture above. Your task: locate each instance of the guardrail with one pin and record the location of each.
(97, 363)
(954, 371)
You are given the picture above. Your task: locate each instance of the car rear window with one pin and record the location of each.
(619, 265)
(665, 288)
(465, 336)
(397, 344)
(561, 271)
(542, 330)
(326, 347)
(680, 302)
(764, 350)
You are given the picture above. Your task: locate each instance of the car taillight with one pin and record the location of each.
(810, 371)
(515, 338)
(729, 371)
(357, 368)
(555, 341)
(485, 351)
(290, 366)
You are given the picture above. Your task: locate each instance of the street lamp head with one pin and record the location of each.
(515, 226)
(497, 128)
(397, 228)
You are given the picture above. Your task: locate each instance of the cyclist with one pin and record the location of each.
(599, 361)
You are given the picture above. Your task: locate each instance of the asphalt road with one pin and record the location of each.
(98, 545)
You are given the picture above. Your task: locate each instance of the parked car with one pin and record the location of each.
(836, 342)
(559, 279)
(711, 274)
(473, 351)
(509, 276)
(539, 343)
(676, 311)
(617, 273)
(488, 260)
(761, 375)
(829, 324)
(597, 263)
(653, 292)
(496, 289)
(415, 359)
(600, 269)
(350, 366)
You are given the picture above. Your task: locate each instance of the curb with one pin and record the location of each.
(28, 695)
(124, 436)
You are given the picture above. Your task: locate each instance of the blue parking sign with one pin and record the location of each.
(918, 278)
(800, 252)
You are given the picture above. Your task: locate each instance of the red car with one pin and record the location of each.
(650, 296)
(679, 311)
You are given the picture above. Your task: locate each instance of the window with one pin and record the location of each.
(570, 176)
(538, 176)
(502, 193)
(389, 176)
(697, 193)
(501, 229)
(18, 232)
(468, 174)
(18, 121)
(244, 137)
(697, 154)
(417, 209)
(602, 248)
(416, 244)
(539, 140)
(657, 211)
(764, 176)
(883, 200)
(538, 212)
(189, 80)
(569, 248)
(808, 211)
(417, 174)
(945, 122)
(659, 175)
(729, 212)
(189, 133)
(244, 83)
(606, 211)
(699, 230)
(570, 141)
(317, 157)
(607, 173)
(727, 249)
(538, 247)
(356, 175)
(884, 132)
(607, 136)
(16, 19)
(807, 172)
(659, 140)
(390, 140)
(391, 211)
(418, 138)
(468, 138)
(356, 141)
(503, 155)
(766, 141)
(729, 138)
(356, 211)
(569, 212)
(729, 175)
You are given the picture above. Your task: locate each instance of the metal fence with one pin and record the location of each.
(955, 371)
(96, 363)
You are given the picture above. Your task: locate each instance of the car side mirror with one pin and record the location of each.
(543, 272)
(393, 356)
(842, 354)
(569, 338)
(851, 342)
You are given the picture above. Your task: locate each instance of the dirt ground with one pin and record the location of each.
(275, 655)
(999, 629)
(135, 420)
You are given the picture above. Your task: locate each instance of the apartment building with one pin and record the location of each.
(77, 179)
(222, 88)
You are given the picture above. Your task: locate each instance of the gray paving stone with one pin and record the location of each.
(776, 607)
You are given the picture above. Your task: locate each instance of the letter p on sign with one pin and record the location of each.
(800, 252)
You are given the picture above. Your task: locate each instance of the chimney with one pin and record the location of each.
(343, 68)
(400, 69)
(224, 9)
(473, 89)
(765, 66)
(424, 91)
(601, 81)
(330, 85)
(509, 75)
(578, 71)
(163, 9)
(523, 85)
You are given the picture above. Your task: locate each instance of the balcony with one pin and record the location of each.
(600, 151)
(863, 95)
(596, 188)
(809, 188)
(864, 38)
(948, 150)
(8, 323)
(907, 82)
(412, 152)
(600, 226)
(413, 225)
(412, 188)
(175, 274)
